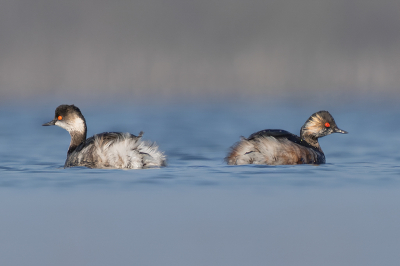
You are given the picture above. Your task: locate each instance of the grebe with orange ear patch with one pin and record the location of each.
(105, 150)
(277, 147)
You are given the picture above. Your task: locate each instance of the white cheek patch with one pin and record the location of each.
(74, 125)
(63, 125)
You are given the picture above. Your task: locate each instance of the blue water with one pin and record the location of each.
(198, 210)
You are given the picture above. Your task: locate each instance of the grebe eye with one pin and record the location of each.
(59, 117)
(327, 124)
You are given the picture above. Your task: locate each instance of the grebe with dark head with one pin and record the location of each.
(104, 150)
(277, 147)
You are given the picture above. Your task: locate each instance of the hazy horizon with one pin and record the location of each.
(206, 49)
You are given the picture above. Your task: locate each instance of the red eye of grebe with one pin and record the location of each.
(327, 124)
(60, 117)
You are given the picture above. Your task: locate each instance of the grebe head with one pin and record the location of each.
(319, 125)
(70, 118)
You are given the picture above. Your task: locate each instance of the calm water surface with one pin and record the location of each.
(198, 210)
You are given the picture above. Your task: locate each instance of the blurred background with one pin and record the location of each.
(273, 62)
(200, 50)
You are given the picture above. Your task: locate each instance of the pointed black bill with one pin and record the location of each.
(51, 123)
(338, 130)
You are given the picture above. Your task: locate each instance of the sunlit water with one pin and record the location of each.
(198, 210)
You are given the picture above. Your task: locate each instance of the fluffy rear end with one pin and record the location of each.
(130, 152)
(271, 151)
(118, 150)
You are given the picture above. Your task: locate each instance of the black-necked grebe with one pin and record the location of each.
(105, 150)
(276, 147)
